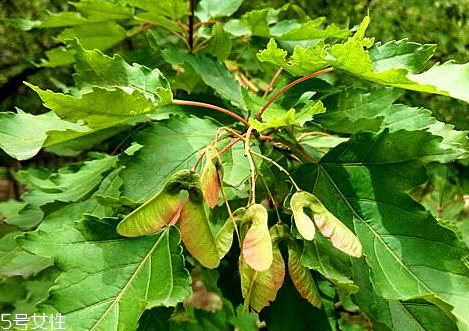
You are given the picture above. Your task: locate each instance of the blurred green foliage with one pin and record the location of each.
(445, 23)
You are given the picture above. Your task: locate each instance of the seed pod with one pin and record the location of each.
(209, 177)
(303, 222)
(164, 208)
(196, 233)
(301, 276)
(260, 288)
(257, 244)
(339, 234)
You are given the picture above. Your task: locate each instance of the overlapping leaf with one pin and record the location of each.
(398, 64)
(114, 94)
(67, 185)
(213, 73)
(363, 182)
(374, 111)
(132, 275)
(167, 147)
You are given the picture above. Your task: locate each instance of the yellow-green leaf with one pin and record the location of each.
(257, 244)
(224, 237)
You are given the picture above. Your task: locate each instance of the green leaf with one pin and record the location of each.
(396, 315)
(100, 35)
(301, 276)
(405, 248)
(167, 146)
(100, 109)
(91, 208)
(220, 44)
(311, 30)
(331, 263)
(287, 120)
(33, 130)
(125, 92)
(244, 320)
(171, 8)
(142, 273)
(235, 168)
(59, 56)
(375, 111)
(97, 69)
(54, 20)
(291, 312)
(207, 9)
(14, 261)
(302, 61)
(213, 73)
(103, 10)
(69, 184)
(401, 54)
(397, 63)
(257, 244)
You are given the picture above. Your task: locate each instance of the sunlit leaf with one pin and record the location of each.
(257, 244)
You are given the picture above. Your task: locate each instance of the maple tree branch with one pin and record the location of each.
(283, 89)
(210, 106)
(191, 25)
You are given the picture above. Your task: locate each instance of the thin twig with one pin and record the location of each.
(228, 208)
(204, 23)
(268, 159)
(312, 133)
(247, 152)
(227, 147)
(180, 36)
(144, 27)
(269, 193)
(272, 82)
(210, 106)
(283, 89)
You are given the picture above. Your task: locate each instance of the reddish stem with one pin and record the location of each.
(204, 23)
(272, 82)
(283, 89)
(227, 147)
(210, 106)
